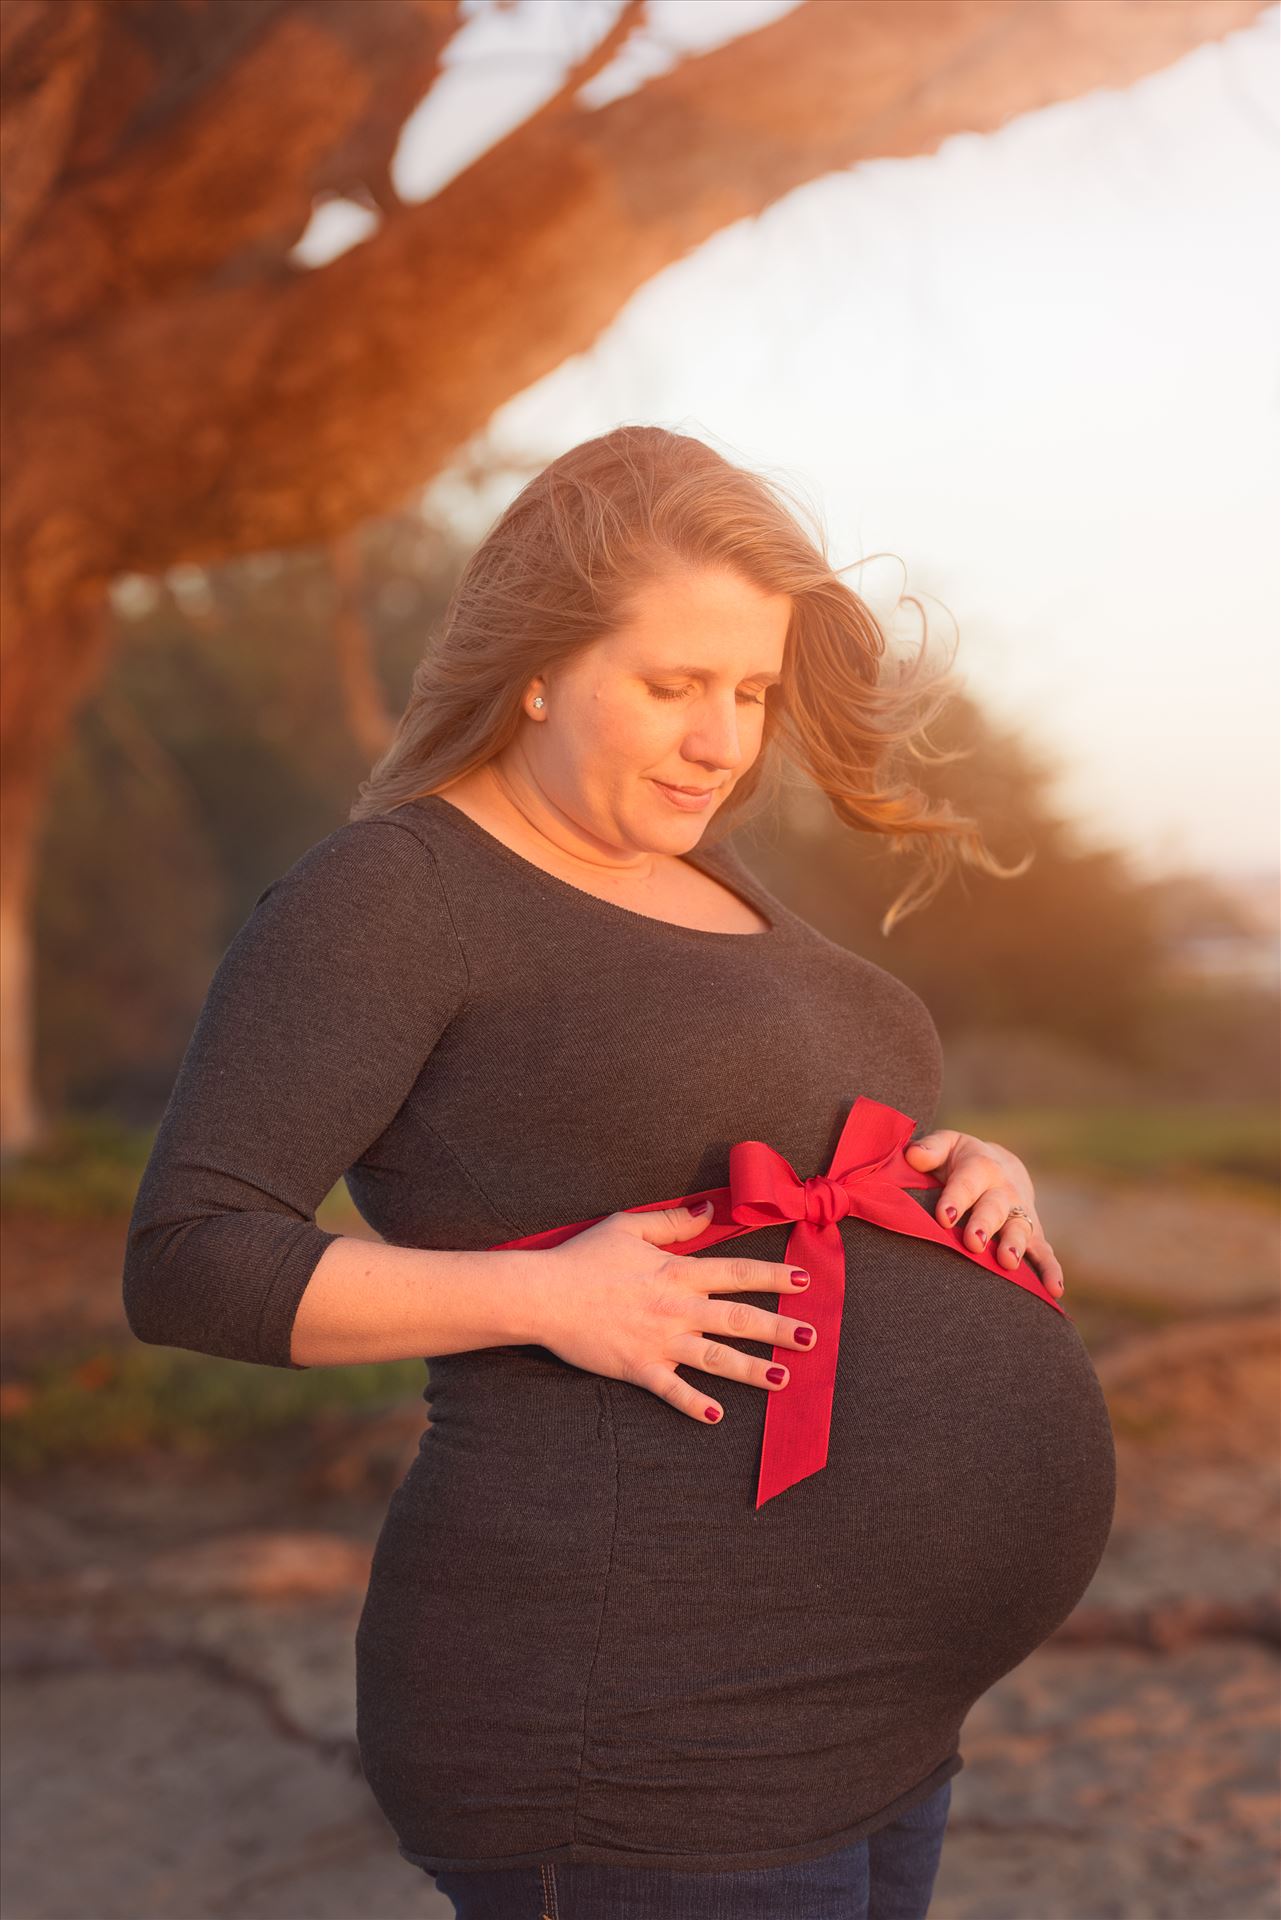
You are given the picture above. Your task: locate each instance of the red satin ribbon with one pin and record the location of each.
(868, 1178)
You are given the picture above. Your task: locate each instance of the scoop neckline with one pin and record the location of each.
(696, 857)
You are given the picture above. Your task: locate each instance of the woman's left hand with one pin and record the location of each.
(989, 1180)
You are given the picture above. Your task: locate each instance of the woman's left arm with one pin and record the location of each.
(989, 1179)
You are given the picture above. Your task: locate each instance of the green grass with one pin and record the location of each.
(109, 1404)
(88, 1169)
(1235, 1149)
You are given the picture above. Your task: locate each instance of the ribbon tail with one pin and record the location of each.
(798, 1417)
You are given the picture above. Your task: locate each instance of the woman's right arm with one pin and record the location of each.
(608, 1303)
(366, 1300)
(319, 1019)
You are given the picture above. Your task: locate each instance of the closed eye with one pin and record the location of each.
(678, 693)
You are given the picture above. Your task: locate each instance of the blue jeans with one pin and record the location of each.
(888, 1876)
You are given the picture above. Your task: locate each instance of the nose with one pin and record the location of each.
(714, 738)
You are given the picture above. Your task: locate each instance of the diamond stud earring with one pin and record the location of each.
(538, 699)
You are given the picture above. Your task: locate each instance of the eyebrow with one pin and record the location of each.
(701, 673)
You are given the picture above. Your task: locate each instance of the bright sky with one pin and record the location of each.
(1040, 365)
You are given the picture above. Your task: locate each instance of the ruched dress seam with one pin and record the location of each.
(607, 1425)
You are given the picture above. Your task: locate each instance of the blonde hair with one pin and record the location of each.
(556, 572)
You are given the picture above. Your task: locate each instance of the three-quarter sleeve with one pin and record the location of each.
(318, 1021)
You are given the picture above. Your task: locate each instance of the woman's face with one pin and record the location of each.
(677, 696)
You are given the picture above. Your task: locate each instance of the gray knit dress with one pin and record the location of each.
(581, 1641)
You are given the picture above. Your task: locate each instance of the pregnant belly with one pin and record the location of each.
(574, 1589)
(970, 1483)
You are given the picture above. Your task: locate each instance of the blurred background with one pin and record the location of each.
(296, 294)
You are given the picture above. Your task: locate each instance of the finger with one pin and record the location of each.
(754, 1323)
(931, 1148)
(746, 1276)
(988, 1218)
(678, 1393)
(1031, 1246)
(713, 1356)
(1011, 1241)
(659, 1225)
(1040, 1255)
(970, 1181)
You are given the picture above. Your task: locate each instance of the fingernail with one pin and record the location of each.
(804, 1335)
(949, 1214)
(800, 1276)
(775, 1374)
(980, 1236)
(712, 1413)
(704, 1206)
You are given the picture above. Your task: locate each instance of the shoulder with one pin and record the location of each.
(376, 857)
(366, 902)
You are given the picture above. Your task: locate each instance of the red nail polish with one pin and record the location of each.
(949, 1214)
(980, 1236)
(712, 1413)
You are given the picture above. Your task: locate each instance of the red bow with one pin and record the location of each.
(868, 1178)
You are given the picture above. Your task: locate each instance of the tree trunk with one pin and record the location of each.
(46, 677)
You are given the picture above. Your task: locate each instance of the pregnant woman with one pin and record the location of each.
(643, 1640)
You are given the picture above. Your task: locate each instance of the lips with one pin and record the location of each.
(699, 791)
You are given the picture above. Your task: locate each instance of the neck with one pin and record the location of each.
(516, 799)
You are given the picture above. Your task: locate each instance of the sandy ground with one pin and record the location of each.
(178, 1662)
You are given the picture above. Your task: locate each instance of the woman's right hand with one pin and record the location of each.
(612, 1302)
